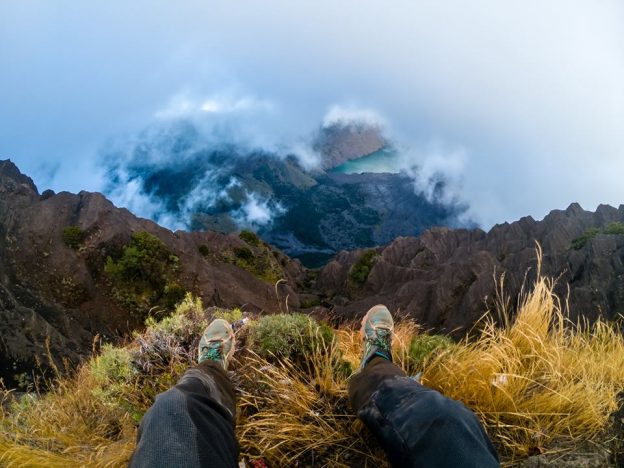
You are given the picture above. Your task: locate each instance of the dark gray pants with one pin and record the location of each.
(192, 424)
(417, 426)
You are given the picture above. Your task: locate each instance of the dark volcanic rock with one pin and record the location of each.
(446, 278)
(51, 292)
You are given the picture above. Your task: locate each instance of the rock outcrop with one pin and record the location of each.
(447, 278)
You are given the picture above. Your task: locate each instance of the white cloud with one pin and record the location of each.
(129, 194)
(532, 90)
(344, 115)
(437, 165)
(257, 211)
(183, 105)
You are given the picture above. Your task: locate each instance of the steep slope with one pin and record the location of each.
(445, 278)
(50, 291)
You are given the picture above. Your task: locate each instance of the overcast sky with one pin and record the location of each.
(522, 103)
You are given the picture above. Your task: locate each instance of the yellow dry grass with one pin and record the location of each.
(538, 384)
(65, 428)
(538, 381)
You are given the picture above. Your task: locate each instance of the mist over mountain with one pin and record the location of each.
(184, 177)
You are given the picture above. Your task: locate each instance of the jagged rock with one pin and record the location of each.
(446, 278)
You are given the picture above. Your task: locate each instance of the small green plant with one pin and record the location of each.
(73, 236)
(579, 242)
(250, 237)
(112, 371)
(423, 346)
(173, 293)
(231, 316)
(204, 250)
(309, 303)
(289, 335)
(187, 319)
(360, 270)
(112, 366)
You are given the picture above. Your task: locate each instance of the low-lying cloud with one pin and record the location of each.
(530, 92)
(188, 163)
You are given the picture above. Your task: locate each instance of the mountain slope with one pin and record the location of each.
(50, 291)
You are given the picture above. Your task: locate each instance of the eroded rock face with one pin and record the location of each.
(49, 291)
(446, 278)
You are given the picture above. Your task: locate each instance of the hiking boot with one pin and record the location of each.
(217, 342)
(376, 332)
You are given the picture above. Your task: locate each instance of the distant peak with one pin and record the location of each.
(9, 170)
(343, 141)
(574, 209)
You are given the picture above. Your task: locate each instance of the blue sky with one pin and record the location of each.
(520, 103)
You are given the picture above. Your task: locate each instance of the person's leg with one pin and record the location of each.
(415, 425)
(192, 424)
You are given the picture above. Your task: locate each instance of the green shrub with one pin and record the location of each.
(73, 236)
(579, 242)
(187, 319)
(173, 293)
(615, 229)
(358, 273)
(112, 366)
(612, 229)
(244, 253)
(146, 258)
(256, 260)
(144, 275)
(313, 302)
(289, 335)
(231, 316)
(250, 237)
(423, 346)
(204, 250)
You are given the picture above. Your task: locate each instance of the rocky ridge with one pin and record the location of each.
(447, 278)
